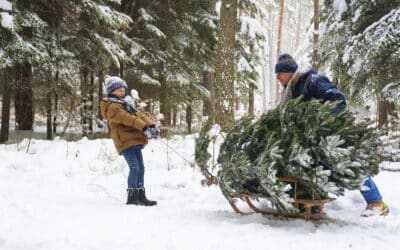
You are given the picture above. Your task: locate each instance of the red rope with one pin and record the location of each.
(191, 164)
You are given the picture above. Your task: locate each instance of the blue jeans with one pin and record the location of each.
(133, 156)
(372, 195)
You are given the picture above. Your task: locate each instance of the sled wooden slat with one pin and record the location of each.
(236, 209)
(307, 203)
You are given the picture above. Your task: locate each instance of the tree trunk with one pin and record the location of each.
(209, 102)
(225, 68)
(279, 42)
(100, 95)
(121, 70)
(55, 114)
(315, 36)
(49, 114)
(250, 110)
(383, 108)
(273, 85)
(189, 117)
(90, 103)
(49, 134)
(175, 115)
(164, 106)
(5, 109)
(85, 99)
(56, 104)
(23, 98)
(251, 100)
(299, 25)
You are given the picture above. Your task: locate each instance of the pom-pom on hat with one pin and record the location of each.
(286, 63)
(114, 82)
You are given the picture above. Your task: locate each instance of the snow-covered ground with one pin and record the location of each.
(71, 195)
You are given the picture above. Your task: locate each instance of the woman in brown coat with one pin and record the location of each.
(130, 130)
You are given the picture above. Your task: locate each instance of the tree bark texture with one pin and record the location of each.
(279, 42)
(164, 105)
(383, 108)
(56, 104)
(23, 98)
(49, 134)
(90, 103)
(251, 101)
(315, 36)
(250, 110)
(299, 25)
(100, 94)
(5, 110)
(189, 117)
(85, 100)
(208, 102)
(225, 68)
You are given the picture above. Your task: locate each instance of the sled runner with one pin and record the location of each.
(308, 204)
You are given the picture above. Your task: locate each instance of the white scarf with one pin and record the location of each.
(287, 93)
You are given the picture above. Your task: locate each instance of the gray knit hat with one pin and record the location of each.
(114, 82)
(286, 63)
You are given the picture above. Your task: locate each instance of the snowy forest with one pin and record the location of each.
(218, 127)
(54, 56)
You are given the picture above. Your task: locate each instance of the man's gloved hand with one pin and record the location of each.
(151, 132)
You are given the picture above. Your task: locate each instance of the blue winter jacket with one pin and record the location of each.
(312, 85)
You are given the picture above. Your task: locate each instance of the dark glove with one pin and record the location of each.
(151, 132)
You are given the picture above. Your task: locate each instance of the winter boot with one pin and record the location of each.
(376, 208)
(143, 199)
(133, 196)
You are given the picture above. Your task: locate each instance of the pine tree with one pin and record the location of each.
(361, 44)
(177, 37)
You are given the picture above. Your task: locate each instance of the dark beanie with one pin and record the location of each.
(286, 63)
(114, 83)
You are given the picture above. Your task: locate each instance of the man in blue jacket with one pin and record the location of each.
(306, 81)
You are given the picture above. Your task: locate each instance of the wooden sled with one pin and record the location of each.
(307, 203)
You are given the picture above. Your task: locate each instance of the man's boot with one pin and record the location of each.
(143, 199)
(376, 208)
(133, 196)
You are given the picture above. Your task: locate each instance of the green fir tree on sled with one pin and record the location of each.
(325, 153)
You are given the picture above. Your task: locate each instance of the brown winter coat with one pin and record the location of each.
(126, 129)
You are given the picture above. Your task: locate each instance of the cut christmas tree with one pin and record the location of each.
(326, 153)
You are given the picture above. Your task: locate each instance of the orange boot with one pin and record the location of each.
(376, 208)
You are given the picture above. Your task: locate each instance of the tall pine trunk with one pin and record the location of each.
(85, 100)
(55, 122)
(251, 100)
(225, 69)
(383, 109)
(189, 117)
(56, 103)
(298, 27)
(100, 95)
(90, 103)
(315, 36)
(49, 134)
(251, 88)
(175, 115)
(272, 83)
(164, 105)
(49, 108)
(279, 42)
(23, 97)
(5, 108)
(208, 102)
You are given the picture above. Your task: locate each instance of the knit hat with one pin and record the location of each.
(286, 63)
(114, 82)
